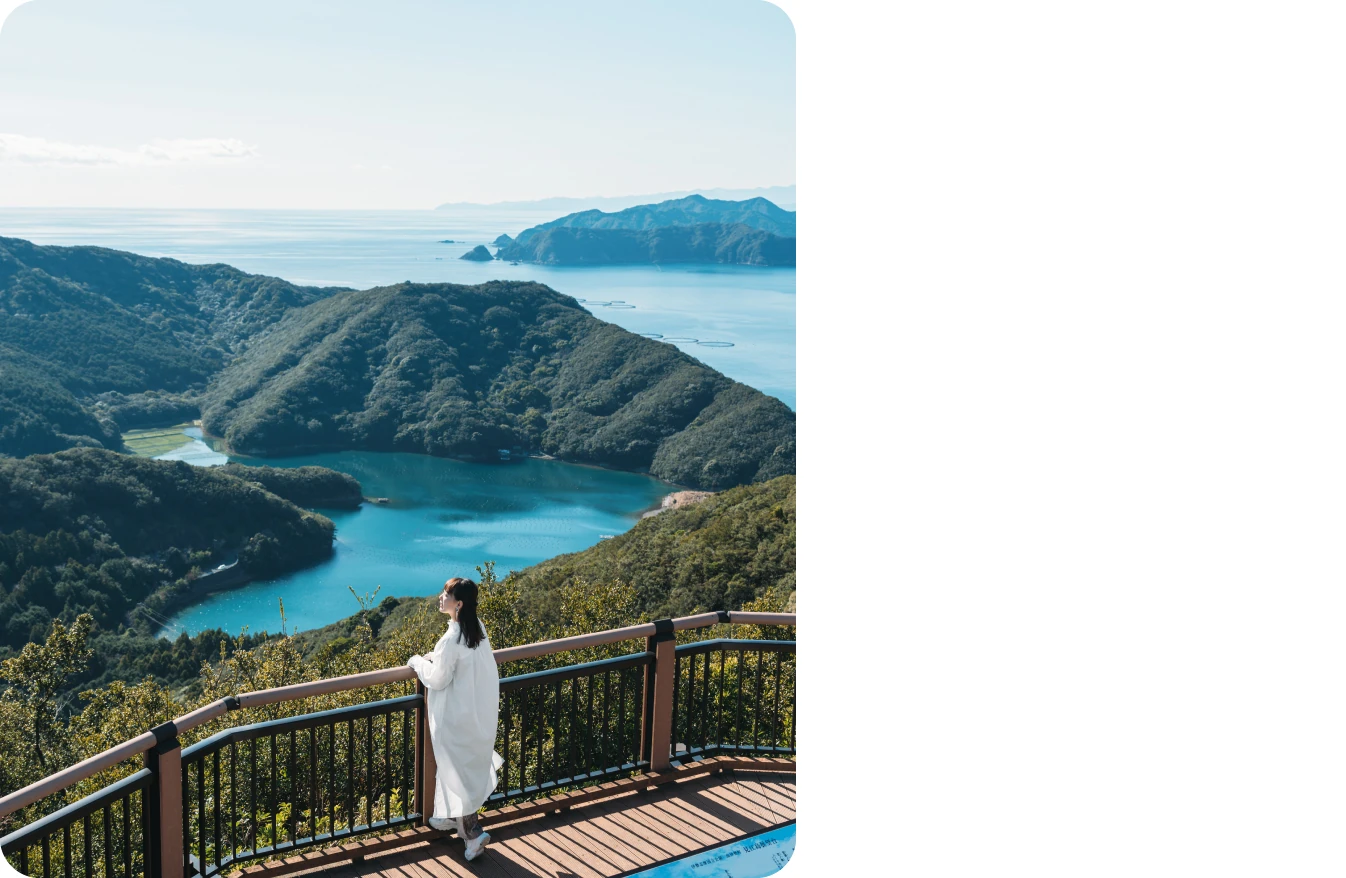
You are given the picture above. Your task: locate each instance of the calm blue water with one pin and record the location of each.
(755, 856)
(445, 517)
(752, 309)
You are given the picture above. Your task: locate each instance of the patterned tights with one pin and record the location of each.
(469, 826)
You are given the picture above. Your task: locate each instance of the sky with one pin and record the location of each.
(400, 104)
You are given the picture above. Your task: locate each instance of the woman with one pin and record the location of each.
(462, 705)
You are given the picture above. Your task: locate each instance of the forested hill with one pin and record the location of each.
(110, 320)
(79, 321)
(91, 530)
(717, 554)
(465, 371)
(716, 243)
(732, 550)
(756, 213)
(95, 341)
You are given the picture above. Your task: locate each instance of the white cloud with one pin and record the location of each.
(18, 149)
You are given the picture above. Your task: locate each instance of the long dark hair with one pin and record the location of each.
(469, 625)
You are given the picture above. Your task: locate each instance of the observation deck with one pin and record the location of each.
(623, 765)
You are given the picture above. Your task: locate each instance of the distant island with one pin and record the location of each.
(693, 229)
(710, 242)
(694, 210)
(783, 196)
(503, 241)
(448, 241)
(478, 253)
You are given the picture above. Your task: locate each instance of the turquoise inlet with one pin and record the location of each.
(442, 518)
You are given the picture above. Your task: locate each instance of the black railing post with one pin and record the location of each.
(425, 759)
(163, 805)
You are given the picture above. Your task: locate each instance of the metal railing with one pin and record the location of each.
(275, 788)
(716, 681)
(572, 725)
(100, 836)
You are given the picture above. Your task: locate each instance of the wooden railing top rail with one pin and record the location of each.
(109, 758)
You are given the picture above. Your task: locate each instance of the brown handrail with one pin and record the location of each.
(741, 618)
(324, 687)
(93, 765)
(68, 777)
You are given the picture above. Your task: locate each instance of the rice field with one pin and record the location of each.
(156, 441)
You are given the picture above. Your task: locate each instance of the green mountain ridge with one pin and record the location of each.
(464, 371)
(724, 244)
(91, 530)
(693, 210)
(94, 341)
(81, 321)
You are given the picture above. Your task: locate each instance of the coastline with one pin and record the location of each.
(677, 500)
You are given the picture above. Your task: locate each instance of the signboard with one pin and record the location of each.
(754, 856)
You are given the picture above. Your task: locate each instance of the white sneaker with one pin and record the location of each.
(476, 845)
(443, 824)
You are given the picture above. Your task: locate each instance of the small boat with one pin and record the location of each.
(382, 501)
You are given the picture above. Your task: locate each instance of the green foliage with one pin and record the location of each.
(92, 531)
(735, 244)
(174, 664)
(302, 486)
(153, 408)
(80, 321)
(719, 554)
(39, 672)
(38, 415)
(465, 371)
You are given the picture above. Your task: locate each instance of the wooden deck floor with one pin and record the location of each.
(609, 837)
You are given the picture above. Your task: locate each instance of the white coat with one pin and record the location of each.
(463, 707)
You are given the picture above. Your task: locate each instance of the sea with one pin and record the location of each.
(739, 320)
(443, 517)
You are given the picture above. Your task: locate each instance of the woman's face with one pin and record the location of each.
(449, 606)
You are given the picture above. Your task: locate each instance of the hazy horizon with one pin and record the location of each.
(345, 106)
(560, 202)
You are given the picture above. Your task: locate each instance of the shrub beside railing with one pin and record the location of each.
(716, 681)
(100, 836)
(570, 726)
(271, 789)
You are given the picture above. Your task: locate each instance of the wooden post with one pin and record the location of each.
(163, 848)
(647, 705)
(665, 677)
(425, 760)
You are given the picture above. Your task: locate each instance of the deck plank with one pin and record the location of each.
(626, 832)
(737, 801)
(781, 799)
(633, 836)
(588, 849)
(750, 792)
